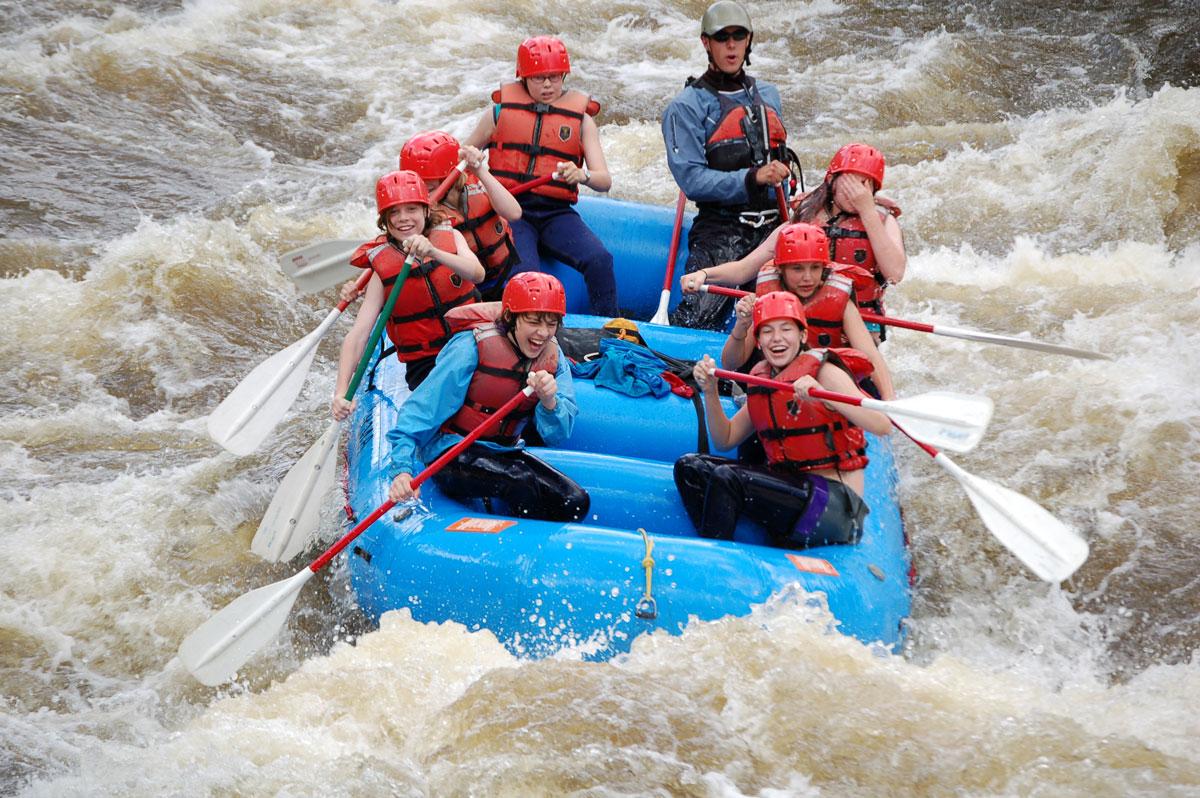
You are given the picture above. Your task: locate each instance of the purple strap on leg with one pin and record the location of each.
(817, 501)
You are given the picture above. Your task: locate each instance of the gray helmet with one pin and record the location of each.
(725, 14)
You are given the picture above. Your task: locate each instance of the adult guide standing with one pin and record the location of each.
(727, 150)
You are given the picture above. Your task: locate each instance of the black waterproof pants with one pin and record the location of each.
(799, 510)
(714, 239)
(527, 486)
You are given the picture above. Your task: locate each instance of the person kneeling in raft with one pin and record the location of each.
(810, 491)
(476, 373)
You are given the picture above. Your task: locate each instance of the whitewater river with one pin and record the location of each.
(157, 158)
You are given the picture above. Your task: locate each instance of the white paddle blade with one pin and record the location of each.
(1047, 546)
(320, 266)
(222, 644)
(293, 517)
(943, 419)
(660, 315)
(242, 422)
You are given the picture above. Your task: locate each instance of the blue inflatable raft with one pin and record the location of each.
(541, 586)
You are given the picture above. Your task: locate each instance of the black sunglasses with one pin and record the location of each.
(723, 36)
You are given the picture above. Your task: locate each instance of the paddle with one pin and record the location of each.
(294, 514)
(660, 315)
(219, 646)
(1047, 546)
(953, 332)
(781, 202)
(988, 338)
(954, 421)
(326, 264)
(244, 419)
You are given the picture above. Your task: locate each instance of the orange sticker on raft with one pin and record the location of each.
(813, 565)
(488, 526)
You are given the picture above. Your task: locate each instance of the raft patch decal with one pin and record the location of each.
(813, 565)
(487, 526)
(564, 132)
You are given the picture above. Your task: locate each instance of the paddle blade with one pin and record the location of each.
(320, 266)
(1047, 546)
(222, 644)
(660, 315)
(292, 519)
(242, 422)
(943, 419)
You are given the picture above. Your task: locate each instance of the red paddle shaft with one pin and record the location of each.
(429, 471)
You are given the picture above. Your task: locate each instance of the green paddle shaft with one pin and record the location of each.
(384, 314)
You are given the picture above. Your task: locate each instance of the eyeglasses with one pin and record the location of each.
(556, 77)
(738, 35)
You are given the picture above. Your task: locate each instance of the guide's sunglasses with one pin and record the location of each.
(722, 36)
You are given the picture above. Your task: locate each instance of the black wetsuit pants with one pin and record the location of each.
(528, 486)
(714, 239)
(798, 510)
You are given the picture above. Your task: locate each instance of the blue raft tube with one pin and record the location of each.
(542, 586)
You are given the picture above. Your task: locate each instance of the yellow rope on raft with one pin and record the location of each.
(647, 607)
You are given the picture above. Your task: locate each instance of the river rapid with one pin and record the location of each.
(157, 160)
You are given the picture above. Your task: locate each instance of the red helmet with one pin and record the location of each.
(542, 55)
(801, 243)
(431, 155)
(534, 292)
(397, 188)
(861, 159)
(778, 305)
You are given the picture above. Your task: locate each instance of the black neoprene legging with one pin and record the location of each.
(528, 486)
(798, 510)
(712, 240)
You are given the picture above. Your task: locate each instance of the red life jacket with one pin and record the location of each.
(849, 244)
(769, 279)
(501, 373)
(488, 235)
(417, 327)
(531, 138)
(806, 435)
(824, 311)
(737, 140)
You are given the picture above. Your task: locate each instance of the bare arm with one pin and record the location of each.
(724, 432)
(593, 156)
(354, 343)
(860, 338)
(462, 261)
(482, 134)
(734, 272)
(832, 378)
(739, 344)
(883, 231)
(888, 244)
(504, 203)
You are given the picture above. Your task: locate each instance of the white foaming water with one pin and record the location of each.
(124, 527)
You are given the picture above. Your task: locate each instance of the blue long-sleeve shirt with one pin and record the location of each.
(417, 438)
(686, 125)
